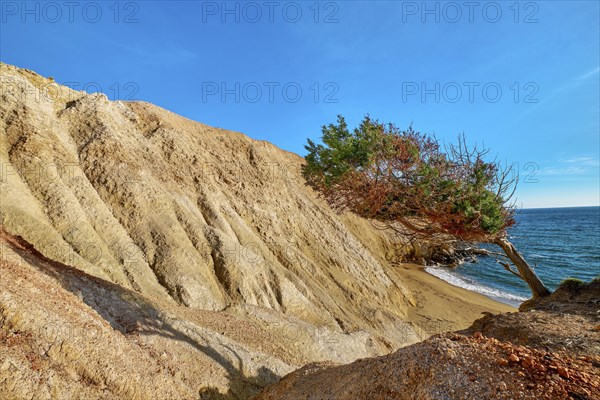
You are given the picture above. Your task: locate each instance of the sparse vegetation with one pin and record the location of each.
(572, 284)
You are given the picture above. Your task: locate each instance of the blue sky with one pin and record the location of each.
(523, 80)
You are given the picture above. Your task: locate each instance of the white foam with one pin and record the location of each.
(465, 283)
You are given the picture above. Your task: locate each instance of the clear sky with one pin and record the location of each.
(522, 79)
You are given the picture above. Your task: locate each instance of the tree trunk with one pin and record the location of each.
(525, 271)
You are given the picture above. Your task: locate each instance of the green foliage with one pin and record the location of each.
(571, 284)
(341, 151)
(480, 206)
(379, 171)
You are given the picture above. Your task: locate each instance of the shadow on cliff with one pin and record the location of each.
(130, 313)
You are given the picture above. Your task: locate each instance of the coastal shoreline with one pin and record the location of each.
(442, 307)
(458, 280)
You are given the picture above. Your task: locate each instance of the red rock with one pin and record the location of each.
(503, 361)
(562, 371)
(527, 362)
(541, 368)
(513, 357)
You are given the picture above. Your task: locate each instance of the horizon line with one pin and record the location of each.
(539, 208)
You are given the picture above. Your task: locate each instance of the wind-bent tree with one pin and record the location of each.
(409, 182)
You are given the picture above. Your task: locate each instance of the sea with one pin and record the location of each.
(559, 243)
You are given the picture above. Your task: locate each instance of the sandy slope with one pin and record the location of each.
(66, 334)
(177, 210)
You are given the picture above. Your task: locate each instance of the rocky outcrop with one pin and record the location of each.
(558, 358)
(568, 320)
(450, 366)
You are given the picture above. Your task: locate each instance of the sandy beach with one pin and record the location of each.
(442, 307)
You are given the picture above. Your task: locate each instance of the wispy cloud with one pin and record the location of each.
(584, 161)
(562, 171)
(566, 86)
(589, 74)
(572, 166)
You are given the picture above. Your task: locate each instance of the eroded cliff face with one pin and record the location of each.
(188, 214)
(162, 234)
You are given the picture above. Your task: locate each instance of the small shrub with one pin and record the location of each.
(571, 284)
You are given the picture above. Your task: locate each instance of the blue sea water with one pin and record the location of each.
(559, 242)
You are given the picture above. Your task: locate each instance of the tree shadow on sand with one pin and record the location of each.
(130, 313)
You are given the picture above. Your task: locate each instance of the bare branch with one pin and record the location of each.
(507, 267)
